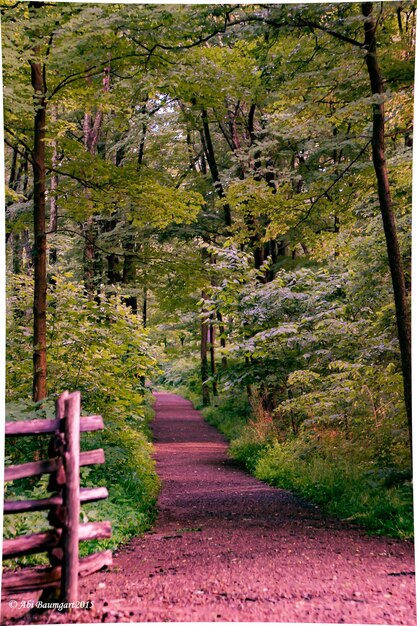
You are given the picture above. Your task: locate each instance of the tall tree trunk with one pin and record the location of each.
(91, 130)
(204, 360)
(248, 386)
(261, 249)
(39, 248)
(53, 205)
(212, 163)
(113, 270)
(13, 170)
(143, 136)
(26, 251)
(89, 257)
(14, 237)
(129, 274)
(222, 339)
(16, 253)
(145, 308)
(386, 207)
(212, 331)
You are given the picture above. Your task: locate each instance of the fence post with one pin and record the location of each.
(69, 587)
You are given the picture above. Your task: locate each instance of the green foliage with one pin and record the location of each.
(321, 347)
(341, 476)
(128, 473)
(317, 348)
(229, 415)
(360, 478)
(310, 335)
(183, 372)
(93, 346)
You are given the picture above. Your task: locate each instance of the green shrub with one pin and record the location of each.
(360, 476)
(128, 473)
(229, 415)
(99, 349)
(343, 484)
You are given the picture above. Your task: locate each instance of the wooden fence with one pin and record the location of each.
(61, 542)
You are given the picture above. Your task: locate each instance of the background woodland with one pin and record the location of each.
(215, 199)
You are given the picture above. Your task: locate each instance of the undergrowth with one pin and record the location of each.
(128, 473)
(351, 476)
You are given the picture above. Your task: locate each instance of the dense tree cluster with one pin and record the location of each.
(236, 180)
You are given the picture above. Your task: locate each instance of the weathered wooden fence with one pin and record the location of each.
(61, 542)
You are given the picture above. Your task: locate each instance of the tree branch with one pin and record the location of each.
(334, 33)
(25, 155)
(93, 70)
(18, 139)
(326, 191)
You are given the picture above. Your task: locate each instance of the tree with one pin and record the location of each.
(386, 205)
(37, 67)
(223, 127)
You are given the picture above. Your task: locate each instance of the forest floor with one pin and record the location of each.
(227, 547)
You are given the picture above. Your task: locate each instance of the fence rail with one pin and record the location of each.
(61, 542)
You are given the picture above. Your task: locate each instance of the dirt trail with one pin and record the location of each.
(227, 547)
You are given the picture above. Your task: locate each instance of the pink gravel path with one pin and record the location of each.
(227, 547)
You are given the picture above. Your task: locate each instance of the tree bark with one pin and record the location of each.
(211, 160)
(14, 237)
(13, 170)
(143, 136)
(53, 208)
(91, 131)
(113, 269)
(222, 339)
(204, 360)
(39, 247)
(16, 253)
(386, 207)
(212, 331)
(129, 274)
(53, 205)
(145, 308)
(89, 258)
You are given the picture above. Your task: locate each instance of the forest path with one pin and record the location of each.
(227, 547)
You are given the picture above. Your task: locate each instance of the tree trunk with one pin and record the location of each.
(145, 308)
(212, 331)
(90, 142)
(16, 253)
(248, 386)
(53, 205)
(14, 237)
(129, 274)
(39, 247)
(13, 171)
(91, 131)
(222, 339)
(211, 160)
(386, 207)
(204, 360)
(26, 251)
(143, 136)
(89, 257)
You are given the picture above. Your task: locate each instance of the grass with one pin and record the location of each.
(351, 479)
